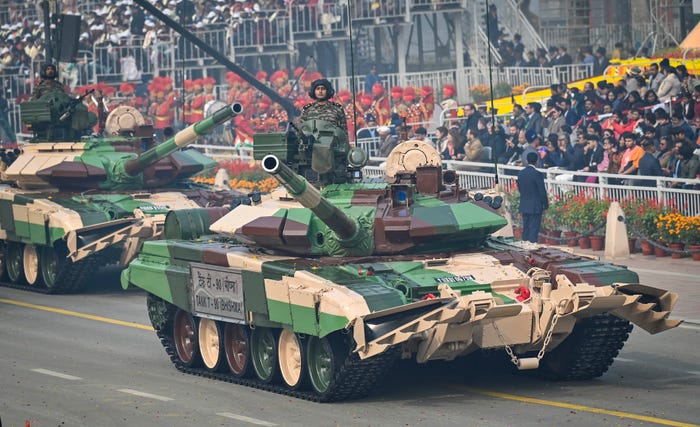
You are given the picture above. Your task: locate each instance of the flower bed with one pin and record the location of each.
(675, 227)
(246, 176)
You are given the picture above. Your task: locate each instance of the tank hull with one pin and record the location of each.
(51, 242)
(364, 312)
(70, 206)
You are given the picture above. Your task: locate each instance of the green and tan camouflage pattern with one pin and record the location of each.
(112, 163)
(83, 197)
(474, 294)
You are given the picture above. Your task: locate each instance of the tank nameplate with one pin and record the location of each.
(217, 292)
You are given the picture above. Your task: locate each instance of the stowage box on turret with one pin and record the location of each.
(70, 204)
(317, 290)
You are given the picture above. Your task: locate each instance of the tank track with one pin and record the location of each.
(589, 351)
(355, 379)
(72, 278)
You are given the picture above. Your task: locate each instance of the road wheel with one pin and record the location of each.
(50, 263)
(210, 343)
(291, 359)
(30, 264)
(324, 358)
(13, 261)
(237, 349)
(263, 351)
(185, 337)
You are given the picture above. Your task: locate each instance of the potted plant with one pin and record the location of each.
(596, 214)
(676, 229)
(480, 92)
(512, 204)
(691, 234)
(567, 216)
(650, 212)
(633, 209)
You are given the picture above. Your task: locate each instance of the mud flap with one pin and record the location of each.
(142, 228)
(652, 309)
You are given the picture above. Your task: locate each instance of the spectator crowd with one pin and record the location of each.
(644, 124)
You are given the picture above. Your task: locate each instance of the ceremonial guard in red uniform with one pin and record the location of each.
(197, 104)
(398, 106)
(188, 86)
(427, 104)
(413, 113)
(381, 105)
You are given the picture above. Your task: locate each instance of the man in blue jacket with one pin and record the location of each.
(533, 198)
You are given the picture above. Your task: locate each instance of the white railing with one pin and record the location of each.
(478, 175)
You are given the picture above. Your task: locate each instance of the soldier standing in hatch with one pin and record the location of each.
(48, 83)
(322, 109)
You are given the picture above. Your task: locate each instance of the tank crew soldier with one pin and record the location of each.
(49, 82)
(5, 121)
(533, 198)
(321, 92)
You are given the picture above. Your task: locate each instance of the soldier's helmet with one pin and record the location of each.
(45, 74)
(321, 82)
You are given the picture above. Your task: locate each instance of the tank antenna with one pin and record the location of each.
(352, 68)
(493, 112)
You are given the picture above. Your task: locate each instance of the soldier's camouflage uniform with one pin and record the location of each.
(46, 86)
(329, 111)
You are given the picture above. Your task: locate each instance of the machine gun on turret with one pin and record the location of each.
(56, 117)
(316, 149)
(70, 108)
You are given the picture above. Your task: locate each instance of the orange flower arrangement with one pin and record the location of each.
(520, 89)
(675, 227)
(480, 92)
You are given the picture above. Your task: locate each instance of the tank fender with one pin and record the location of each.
(168, 282)
(313, 305)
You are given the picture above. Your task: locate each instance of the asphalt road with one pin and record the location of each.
(91, 360)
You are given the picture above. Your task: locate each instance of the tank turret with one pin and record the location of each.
(115, 162)
(419, 208)
(347, 232)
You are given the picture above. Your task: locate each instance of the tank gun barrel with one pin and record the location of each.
(181, 139)
(306, 194)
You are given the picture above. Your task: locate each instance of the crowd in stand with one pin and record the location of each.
(651, 130)
(645, 124)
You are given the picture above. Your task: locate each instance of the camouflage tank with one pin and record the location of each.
(316, 291)
(69, 204)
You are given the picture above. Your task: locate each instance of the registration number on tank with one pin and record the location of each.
(217, 291)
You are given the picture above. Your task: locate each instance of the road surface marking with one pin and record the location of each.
(76, 314)
(144, 394)
(56, 374)
(246, 419)
(621, 359)
(687, 325)
(573, 406)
